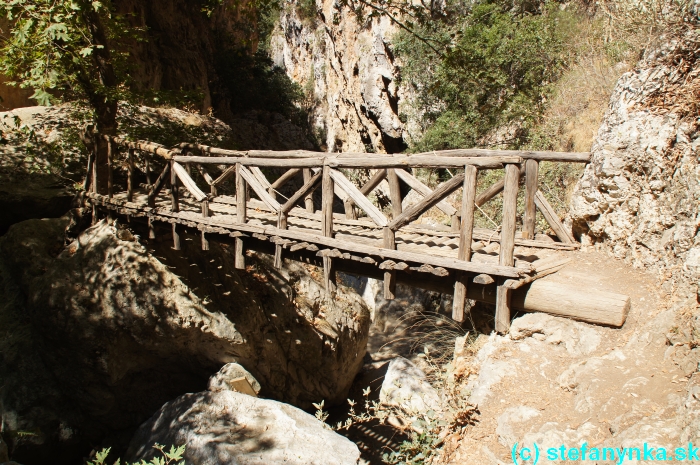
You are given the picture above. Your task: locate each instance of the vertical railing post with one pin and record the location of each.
(466, 231)
(506, 258)
(175, 203)
(241, 189)
(147, 162)
(281, 224)
(389, 275)
(531, 174)
(110, 171)
(394, 192)
(309, 198)
(327, 224)
(130, 177)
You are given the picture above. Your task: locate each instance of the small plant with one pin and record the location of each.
(171, 457)
(320, 414)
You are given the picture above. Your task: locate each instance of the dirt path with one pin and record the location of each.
(555, 382)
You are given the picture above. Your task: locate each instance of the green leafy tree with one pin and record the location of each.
(66, 48)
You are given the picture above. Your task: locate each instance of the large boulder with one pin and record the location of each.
(230, 428)
(103, 331)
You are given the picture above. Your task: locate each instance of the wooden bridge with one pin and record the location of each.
(476, 263)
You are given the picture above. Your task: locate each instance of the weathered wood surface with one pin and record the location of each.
(464, 250)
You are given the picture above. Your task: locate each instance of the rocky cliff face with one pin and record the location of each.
(124, 327)
(640, 194)
(349, 74)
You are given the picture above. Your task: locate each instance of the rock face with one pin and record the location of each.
(99, 334)
(229, 428)
(405, 386)
(639, 196)
(349, 73)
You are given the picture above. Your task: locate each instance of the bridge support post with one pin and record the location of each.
(506, 258)
(241, 188)
(309, 198)
(465, 241)
(176, 238)
(531, 173)
(327, 215)
(389, 275)
(281, 224)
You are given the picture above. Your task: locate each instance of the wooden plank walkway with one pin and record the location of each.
(391, 243)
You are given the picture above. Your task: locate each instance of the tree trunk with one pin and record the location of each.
(102, 98)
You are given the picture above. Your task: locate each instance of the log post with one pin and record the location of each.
(130, 178)
(394, 192)
(389, 275)
(531, 174)
(241, 191)
(151, 228)
(350, 212)
(309, 199)
(455, 223)
(205, 241)
(510, 200)
(465, 241)
(110, 170)
(174, 191)
(281, 224)
(327, 224)
(147, 162)
(176, 238)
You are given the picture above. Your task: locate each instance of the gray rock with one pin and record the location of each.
(405, 386)
(119, 332)
(222, 381)
(227, 428)
(510, 423)
(577, 338)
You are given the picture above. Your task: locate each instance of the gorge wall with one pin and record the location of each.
(640, 194)
(348, 72)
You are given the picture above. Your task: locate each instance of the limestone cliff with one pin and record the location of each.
(349, 73)
(640, 194)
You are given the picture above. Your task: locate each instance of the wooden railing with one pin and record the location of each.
(324, 170)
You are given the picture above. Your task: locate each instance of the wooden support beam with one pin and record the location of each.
(414, 211)
(281, 224)
(309, 198)
(110, 170)
(174, 191)
(305, 191)
(239, 260)
(228, 172)
(259, 188)
(188, 182)
(372, 184)
(327, 226)
(282, 180)
(151, 228)
(160, 182)
(531, 174)
(205, 241)
(394, 193)
(465, 241)
(176, 238)
(147, 169)
(389, 275)
(505, 257)
(87, 182)
(494, 190)
(205, 208)
(553, 219)
(209, 180)
(415, 184)
(130, 176)
(357, 197)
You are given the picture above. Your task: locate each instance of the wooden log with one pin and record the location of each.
(239, 259)
(305, 191)
(130, 176)
(176, 238)
(147, 169)
(174, 192)
(205, 241)
(160, 182)
(259, 188)
(309, 198)
(531, 175)
(394, 193)
(483, 279)
(87, 182)
(327, 226)
(282, 180)
(505, 256)
(553, 219)
(110, 170)
(389, 275)
(228, 172)
(151, 228)
(372, 184)
(414, 211)
(357, 197)
(464, 251)
(493, 191)
(281, 224)
(188, 182)
(415, 184)
(205, 208)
